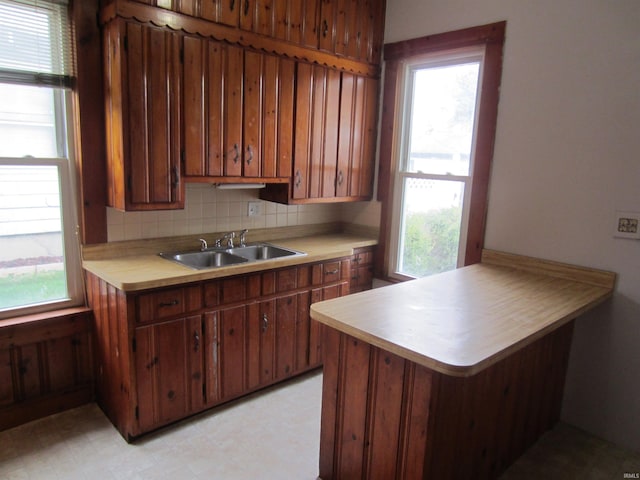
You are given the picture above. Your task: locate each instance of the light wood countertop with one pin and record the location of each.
(140, 272)
(462, 321)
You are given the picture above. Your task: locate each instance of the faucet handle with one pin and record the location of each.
(229, 238)
(203, 244)
(243, 237)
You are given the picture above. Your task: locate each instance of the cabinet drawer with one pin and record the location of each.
(156, 306)
(331, 271)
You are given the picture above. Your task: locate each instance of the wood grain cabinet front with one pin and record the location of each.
(348, 28)
(142, 102)
(362, 269)
(335, 135)
(167, 353)
(238, 113)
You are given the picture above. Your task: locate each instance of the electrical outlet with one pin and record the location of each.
(254, 209)
(627, 225)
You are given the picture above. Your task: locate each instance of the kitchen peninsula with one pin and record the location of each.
(449, 376)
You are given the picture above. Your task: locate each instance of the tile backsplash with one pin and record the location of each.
(208, 209)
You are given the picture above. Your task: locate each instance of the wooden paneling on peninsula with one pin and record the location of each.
(276, 92)
(453, 375)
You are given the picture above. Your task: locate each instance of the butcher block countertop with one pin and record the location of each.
(132, 268)
(462, 321)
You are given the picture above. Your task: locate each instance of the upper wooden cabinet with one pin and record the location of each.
(350, 28)
(244, 91)
(335, 135)
(142, 90)
(238, 112)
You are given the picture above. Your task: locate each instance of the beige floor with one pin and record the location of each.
(272, 435)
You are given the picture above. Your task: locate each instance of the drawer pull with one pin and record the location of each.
(172, 303)
(250, 155)
(196, 341)
(331, 272)
(265, 322)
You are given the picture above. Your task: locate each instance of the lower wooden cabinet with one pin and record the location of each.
(176, 351)
(362, 269)
(168, 360)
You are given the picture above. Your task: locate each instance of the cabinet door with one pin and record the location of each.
(328, 12)
(169, 371)
(356, 142)
(254, 77)
(273, 137)
(233, 71)
(148, 104)
(286, 336)
(213, 76)
(231, 351)
(153, 65)
(261, 328)
(316, 135)
(226, 12)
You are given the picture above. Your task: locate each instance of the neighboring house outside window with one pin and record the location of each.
(438, 127)
(39, 249)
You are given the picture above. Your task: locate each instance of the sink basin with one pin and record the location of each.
(219, 257)
(206, 259)
(262, 251)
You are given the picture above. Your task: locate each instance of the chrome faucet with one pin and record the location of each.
(203, 244)
(243, 237)
(228, 237)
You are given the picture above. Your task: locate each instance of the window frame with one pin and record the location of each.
(396, 56)
(61, 86)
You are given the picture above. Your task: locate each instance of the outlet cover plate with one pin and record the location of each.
(627, 225)
(254, 209)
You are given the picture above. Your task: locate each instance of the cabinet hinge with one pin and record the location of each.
(137, 413)
(134, 345)
(182, 156)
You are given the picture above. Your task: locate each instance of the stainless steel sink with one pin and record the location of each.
(263, 251)
(220, 257)
(206, 259)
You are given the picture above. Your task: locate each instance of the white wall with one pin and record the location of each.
(567, 156)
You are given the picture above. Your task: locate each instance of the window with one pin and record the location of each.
(439, 114)
(39, 253)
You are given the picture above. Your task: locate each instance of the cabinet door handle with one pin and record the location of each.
(196, 341)
(236, 152)
(246, 7)
(265, 322)
(340, 177)
(250, 155)
(331, 272)
(172, 303)
(325, 27)
(232, 5)
(298, 179)
(176, 177)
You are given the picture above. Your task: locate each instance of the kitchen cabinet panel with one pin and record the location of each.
(238, 113)
(143, 80)
(166, 353)
(168, 371)
(231, 351)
